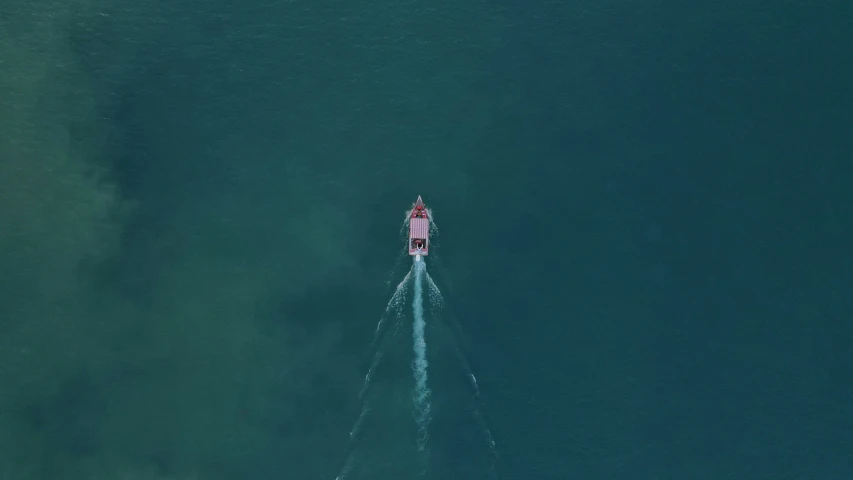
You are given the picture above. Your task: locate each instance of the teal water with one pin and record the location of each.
(644, 237)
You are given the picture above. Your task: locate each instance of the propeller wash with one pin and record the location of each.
(418, 245)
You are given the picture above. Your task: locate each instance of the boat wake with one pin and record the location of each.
(437, 304)
(379, 442)
(420, 364)
(395, 307)
(421, 392)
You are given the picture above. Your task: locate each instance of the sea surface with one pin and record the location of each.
(643, 246)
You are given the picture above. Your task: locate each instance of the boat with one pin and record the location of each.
(419, 229)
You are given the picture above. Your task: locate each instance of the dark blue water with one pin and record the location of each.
(644, 237)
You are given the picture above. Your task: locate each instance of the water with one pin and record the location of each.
(644, 237)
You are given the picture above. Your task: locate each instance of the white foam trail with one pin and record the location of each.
(493, 452)
(369, 376)
(435, 298)
(433, 227)
(345, 471)
(474, 383)
(420, 364)
(398, 304)
(395, 302)
(357, 427)
(438, 300)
